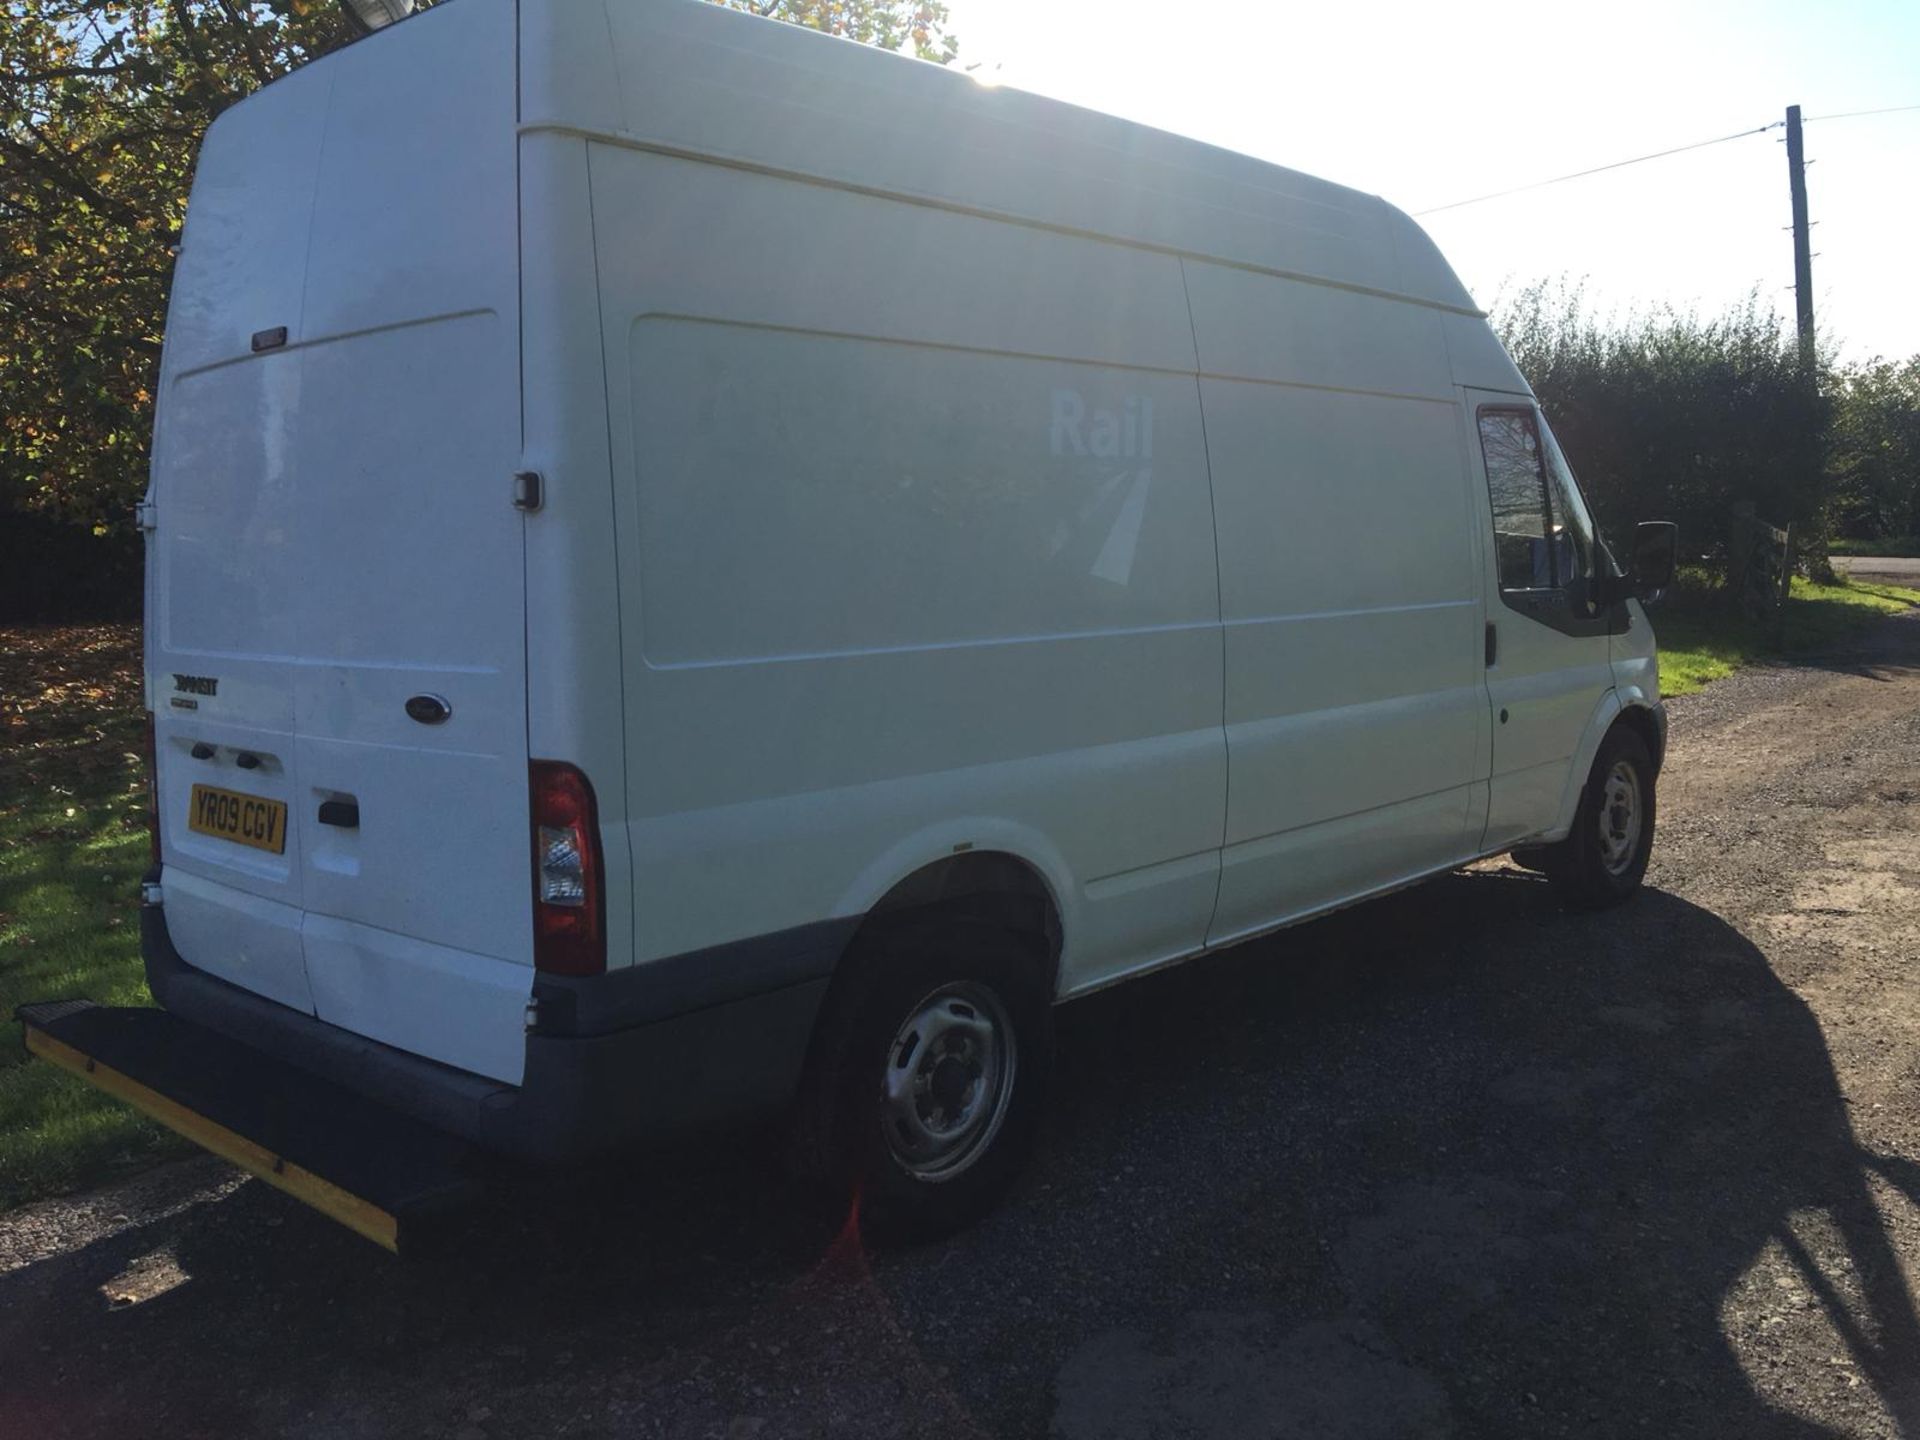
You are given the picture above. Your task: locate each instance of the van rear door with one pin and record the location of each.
(337, 608)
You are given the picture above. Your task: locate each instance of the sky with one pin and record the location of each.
(1428, 104)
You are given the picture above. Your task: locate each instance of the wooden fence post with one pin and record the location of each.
(1760, 569)
(1786, 588)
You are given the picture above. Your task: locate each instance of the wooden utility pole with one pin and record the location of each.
(1802, 247)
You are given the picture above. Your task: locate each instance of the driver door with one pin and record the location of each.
(1548, 666)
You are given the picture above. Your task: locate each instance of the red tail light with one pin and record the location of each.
(149, 754)
(569, 896)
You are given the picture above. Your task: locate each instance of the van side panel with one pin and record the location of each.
(916, 552)
(1477, 358)
(1356, 714)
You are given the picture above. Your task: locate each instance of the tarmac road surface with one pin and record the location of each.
(1455, 1163)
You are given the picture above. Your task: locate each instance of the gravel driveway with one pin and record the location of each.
(1456, 1163)
(1881, 569)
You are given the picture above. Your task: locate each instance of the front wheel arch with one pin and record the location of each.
(1588, 874)
(1640, 718)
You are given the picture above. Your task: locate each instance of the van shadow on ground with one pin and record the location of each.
(1456, 1162)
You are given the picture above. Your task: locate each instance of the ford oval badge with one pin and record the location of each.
(429, 709)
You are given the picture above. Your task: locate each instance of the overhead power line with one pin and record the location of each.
(1660, 155)
(1599, 169)
(1853, 114)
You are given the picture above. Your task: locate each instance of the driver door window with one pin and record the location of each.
(1543, 535)
(1569, 506)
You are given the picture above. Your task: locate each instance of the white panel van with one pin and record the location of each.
(698, 569)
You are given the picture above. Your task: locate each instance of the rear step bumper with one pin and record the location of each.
(375, 1171)
(626, 1074)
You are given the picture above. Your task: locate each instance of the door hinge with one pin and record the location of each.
(527, 490)
(533, 1015)
(146, 515)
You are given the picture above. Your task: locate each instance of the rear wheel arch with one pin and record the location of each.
(991, 905)
(994, 888)
(991, 886)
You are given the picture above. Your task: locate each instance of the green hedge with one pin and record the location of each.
(54, 571)
(1672, 416)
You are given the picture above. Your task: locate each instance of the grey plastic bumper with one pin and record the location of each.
(734, 1052)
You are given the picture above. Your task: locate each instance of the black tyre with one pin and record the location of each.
(929, 1075)
(1604, 857)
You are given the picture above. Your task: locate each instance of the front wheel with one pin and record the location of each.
(1604, 857)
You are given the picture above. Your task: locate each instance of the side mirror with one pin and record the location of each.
(1656, 548)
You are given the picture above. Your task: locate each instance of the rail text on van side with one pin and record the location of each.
(1126, 433)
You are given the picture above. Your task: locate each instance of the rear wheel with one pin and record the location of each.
(930, 1074)
(1604, 857)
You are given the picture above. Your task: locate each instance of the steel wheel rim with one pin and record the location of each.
(1620, 817)
(948, 1081)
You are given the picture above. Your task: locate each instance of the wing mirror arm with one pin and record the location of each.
(1608, 589)
(1656, 555)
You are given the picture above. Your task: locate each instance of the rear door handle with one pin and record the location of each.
(344, 813)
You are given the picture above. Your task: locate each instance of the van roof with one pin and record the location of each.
(693, 78)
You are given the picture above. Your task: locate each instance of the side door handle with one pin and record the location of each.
(1493, 643)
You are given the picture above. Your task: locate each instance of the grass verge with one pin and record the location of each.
(73, 844)
(1702, 640)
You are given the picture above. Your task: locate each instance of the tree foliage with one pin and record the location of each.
(1675, 416)
(919, 27)
(1875, 456)
(102, 107)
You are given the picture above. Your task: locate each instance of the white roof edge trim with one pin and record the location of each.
(961, 207)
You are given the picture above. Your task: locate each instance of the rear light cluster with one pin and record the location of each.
(569, 894)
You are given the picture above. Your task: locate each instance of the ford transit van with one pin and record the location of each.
(699, 570)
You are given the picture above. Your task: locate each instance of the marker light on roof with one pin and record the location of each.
(377, 14)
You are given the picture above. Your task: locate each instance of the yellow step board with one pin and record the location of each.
(361, 1216)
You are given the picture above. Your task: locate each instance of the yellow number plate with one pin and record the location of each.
(243, 819)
